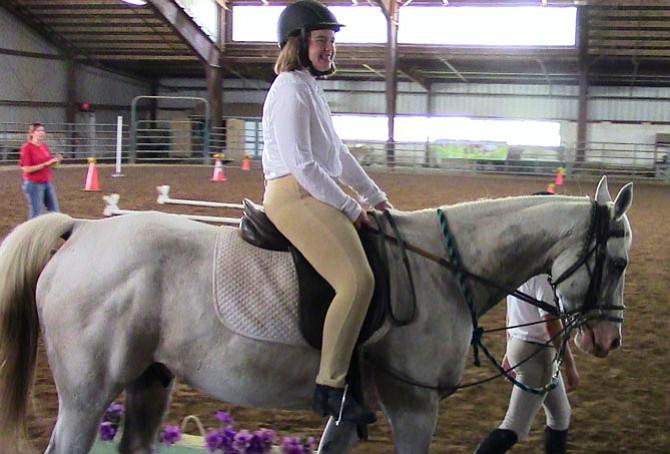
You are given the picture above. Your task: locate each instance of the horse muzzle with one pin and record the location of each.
(598, 339)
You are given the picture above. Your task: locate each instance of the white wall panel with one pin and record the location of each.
(631, 110)
(23, 116)
(32, 79)
(101, 87)
(39, 79)
(356, 102)
(15, 35)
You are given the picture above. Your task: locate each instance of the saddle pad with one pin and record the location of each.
(255, 290)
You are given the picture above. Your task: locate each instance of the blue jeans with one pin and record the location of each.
(39, 195)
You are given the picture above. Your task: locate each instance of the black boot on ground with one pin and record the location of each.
(555, 441)
(497, 442)
(337, 403)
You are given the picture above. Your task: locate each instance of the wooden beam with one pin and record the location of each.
(184, 25)
(451, 67)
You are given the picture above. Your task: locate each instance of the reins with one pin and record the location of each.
(598, 227)
(477, 331)
(450, 266)
(502, 372)
(400, 242)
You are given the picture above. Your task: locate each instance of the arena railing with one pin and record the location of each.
(184, 142)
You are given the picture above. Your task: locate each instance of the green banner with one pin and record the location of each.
(490, 151)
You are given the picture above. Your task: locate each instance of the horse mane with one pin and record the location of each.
(521, 201)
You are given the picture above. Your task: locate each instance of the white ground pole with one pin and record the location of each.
(164, 197)
(119, 141)
(112, 209)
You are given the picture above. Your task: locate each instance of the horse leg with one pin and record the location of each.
(76, 425)
(147, 400)
(412, 414)
(337, 439)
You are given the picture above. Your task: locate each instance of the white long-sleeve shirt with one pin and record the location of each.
(520, 312)
(299, 139)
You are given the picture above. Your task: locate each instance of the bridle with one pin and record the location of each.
(592, 309)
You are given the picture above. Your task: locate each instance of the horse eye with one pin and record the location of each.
(619, 265)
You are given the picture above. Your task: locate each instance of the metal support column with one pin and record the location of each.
(583, 110)
(390, 9)
(71, 106)
(214, 76)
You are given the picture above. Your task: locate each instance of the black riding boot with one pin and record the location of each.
(555, 441)
(497, 442)
(336, 402)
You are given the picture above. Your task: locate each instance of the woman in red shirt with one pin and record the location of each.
(36, 161)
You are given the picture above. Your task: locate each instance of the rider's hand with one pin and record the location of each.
(507, 367)
(384, 205)
(572, 379)
(361, 220)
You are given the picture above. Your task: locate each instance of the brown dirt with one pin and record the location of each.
(621, 406)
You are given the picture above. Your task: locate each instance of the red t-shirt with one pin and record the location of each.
(31, 155)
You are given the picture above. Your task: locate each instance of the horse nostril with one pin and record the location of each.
(616, 343)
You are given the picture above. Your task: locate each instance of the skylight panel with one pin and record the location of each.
(430, 25)
(488, 26)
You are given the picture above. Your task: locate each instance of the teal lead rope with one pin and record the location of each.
(478, 331)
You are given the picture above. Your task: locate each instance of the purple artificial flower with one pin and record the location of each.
(261, 441)
(170, 435)
(228, 435)
(224, 417)
(291, 445)
(310, 445)
(113, 413)
(242, 441)
(115, 409)
(107, 431)
(214, 441)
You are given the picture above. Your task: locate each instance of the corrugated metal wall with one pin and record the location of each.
(33, 86)
(27, 79)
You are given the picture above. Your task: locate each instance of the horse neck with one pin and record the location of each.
(508, 241)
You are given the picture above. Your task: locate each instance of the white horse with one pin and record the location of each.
(122, 294)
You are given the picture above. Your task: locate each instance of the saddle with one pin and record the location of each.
(315, 293)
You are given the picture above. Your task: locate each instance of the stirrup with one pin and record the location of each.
(338, 421)
(335, 402)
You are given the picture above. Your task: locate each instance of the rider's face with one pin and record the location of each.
(321, 49)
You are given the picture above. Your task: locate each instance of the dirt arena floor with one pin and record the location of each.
(622, 406)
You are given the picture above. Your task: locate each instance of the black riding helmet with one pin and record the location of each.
(304, 16)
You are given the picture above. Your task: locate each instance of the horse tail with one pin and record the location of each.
(23, 255)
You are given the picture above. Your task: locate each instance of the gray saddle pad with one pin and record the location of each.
(255, 290)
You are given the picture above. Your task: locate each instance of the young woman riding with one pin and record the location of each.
(304, 161)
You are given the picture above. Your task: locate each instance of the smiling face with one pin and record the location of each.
(321, 50)
(37, 133)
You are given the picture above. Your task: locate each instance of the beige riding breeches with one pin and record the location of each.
(536, 372)
(329, 241)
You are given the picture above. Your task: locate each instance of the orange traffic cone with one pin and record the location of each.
(245, 162)
(91, 177)
(559, 176)
(550, 188)
(217, 175)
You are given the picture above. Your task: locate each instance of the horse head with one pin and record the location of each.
(590, 275)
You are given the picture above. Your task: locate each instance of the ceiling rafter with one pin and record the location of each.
(627, 43)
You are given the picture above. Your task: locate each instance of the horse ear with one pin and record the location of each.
(602, 192)
(623, 201)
